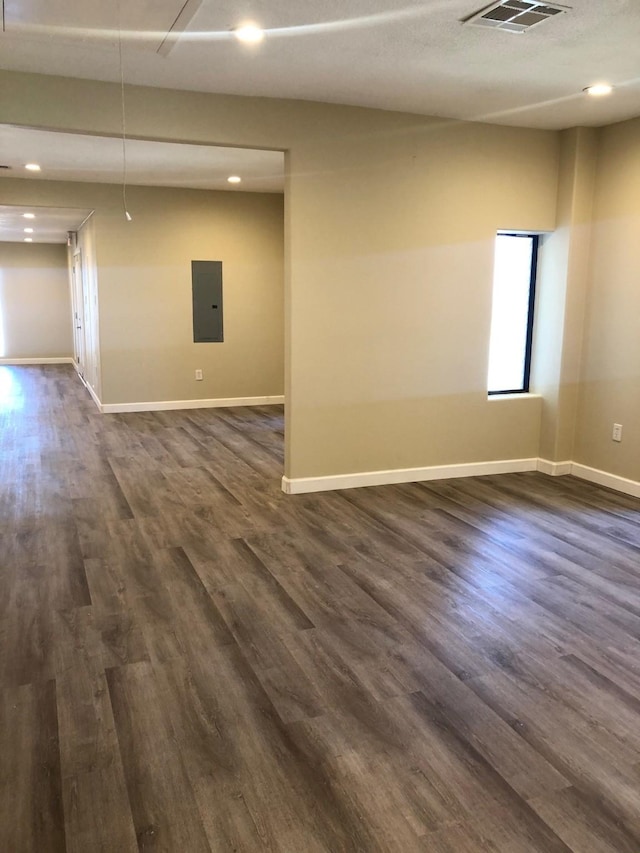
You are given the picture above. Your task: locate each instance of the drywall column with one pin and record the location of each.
(610, 380)
(563, 274)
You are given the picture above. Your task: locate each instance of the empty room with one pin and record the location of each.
(320, 427)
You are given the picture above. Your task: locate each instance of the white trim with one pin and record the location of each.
(165, 405)
(554, 469)
(300, 485)
(516, 395)
(96, 399)
(603, 478)
(63, 359)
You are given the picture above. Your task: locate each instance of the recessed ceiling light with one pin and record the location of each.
(28, 240)
(29, 215)
(32, 167)
(249, 34)
(599, 89)
(28, 230)
(234, 179)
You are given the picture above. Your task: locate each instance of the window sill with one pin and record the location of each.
(524, 395)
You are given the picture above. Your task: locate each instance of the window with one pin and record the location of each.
(514, 282)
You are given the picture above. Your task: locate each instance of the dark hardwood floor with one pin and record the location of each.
(192, 661)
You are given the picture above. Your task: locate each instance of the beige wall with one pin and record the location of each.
(146, 350)
(391, 309)
(390, 224)
(146, 324)
(35, 307)
(610, 390)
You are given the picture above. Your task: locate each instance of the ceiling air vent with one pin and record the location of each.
(515, 16)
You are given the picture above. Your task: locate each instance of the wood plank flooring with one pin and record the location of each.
(192, 661)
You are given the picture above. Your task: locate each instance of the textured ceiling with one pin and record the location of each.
(77, 157)
(377, 53)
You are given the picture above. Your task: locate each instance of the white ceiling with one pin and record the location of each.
(49, 226)
(77, 157)
(378, 53)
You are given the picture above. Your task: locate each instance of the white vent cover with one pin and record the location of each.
(515, 16)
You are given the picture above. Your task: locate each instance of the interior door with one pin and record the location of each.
(79, 340)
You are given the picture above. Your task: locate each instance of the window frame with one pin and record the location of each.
(526, 374)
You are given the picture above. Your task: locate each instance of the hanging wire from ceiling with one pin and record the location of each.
(123, 123)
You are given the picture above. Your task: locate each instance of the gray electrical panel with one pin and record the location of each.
(206, 287)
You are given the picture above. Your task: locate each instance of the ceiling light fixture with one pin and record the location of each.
(32, 167)
(598, 90)
(29, 215)
(28, 230)
(28, 240)
(234, 179)
(249, 34)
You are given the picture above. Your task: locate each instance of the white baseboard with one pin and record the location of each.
(96, 399)
(167, 405)
(554, 469)
(603, 478)
(301, 485)
(63, 359)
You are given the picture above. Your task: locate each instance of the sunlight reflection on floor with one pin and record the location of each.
(11, 396)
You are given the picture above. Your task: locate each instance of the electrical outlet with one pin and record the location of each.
(198, 374)
(617, 432)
